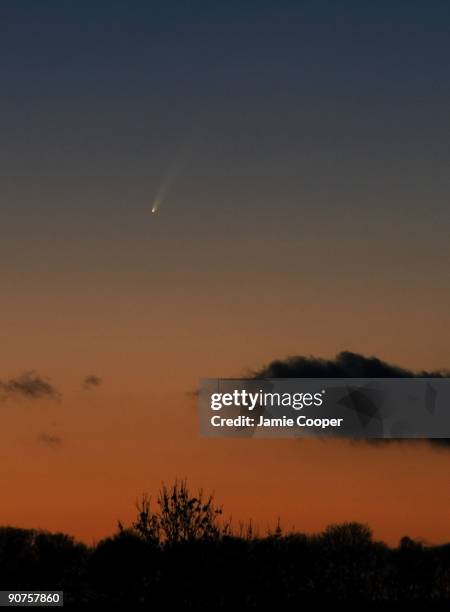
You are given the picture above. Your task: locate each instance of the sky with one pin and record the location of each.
(306, 149)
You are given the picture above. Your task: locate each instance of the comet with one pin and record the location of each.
(164, 189)
(172, 175)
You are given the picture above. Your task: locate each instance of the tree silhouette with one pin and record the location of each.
(181, 516)
(184, 555)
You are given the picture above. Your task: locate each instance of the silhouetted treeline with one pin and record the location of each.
(185, 554)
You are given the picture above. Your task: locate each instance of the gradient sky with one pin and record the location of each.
(310, 214)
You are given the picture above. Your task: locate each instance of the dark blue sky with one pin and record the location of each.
(327, 110)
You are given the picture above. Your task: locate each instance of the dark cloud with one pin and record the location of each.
(91, 381)
(28, 385)
(50, 440)
(348, 365)
(344, 365)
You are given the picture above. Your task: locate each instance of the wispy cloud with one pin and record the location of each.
(92, 380)
(50, 440)
(29, 385)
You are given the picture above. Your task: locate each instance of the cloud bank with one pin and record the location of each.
(344, 365)
(349, 365)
